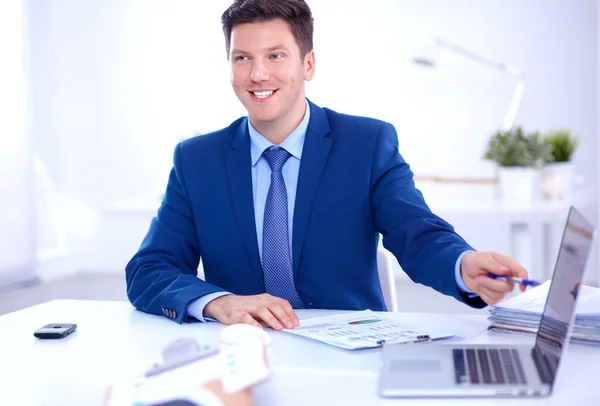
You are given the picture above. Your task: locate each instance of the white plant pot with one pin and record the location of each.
(557, 181)
(517, 184)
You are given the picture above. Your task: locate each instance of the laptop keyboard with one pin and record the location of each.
(488, 366)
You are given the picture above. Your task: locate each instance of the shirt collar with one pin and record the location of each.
(292, 144)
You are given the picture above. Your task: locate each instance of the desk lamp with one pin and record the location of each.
(513, 106)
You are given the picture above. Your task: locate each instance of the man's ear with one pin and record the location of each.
(309, 65)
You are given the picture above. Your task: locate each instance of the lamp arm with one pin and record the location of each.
(511, 113)
(509, 69)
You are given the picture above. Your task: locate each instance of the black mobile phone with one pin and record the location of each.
(56, 330)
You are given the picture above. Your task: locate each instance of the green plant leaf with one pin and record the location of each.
(515, 148)
(563, 144)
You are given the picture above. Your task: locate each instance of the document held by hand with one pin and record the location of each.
(364, 329)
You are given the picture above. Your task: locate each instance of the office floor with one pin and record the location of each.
(411, 297)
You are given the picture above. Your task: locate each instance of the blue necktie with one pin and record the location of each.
(276, 258)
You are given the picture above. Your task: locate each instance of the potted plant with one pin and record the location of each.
(557, 177)
(518, 156)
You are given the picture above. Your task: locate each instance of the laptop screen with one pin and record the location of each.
(560, 304)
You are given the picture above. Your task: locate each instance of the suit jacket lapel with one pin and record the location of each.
(239, 178)
(314, 156)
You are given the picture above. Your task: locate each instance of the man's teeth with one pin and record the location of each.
(263, 95)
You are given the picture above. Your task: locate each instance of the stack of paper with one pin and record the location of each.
(522, 314)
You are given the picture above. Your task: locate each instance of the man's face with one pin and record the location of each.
(267, 72)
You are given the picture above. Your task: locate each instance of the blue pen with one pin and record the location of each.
(526, 282)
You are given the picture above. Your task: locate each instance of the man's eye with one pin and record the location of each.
(241, 58)
(276, 56)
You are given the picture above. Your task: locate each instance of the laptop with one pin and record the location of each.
(454, 370)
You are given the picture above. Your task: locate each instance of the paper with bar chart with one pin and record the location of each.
(363, 329)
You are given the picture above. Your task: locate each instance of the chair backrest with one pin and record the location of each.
(201, 270)
(387, 279)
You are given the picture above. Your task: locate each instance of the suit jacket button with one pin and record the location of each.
(164, 311)
(174, 314)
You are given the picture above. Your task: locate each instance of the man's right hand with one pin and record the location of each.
(274, 311)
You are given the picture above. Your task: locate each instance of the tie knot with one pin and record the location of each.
(276, 157)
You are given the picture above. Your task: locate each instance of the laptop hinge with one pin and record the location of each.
(543, 367)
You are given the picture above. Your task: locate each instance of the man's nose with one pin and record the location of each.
(259, 72)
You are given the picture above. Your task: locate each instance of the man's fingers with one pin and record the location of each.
(248, 319)
(281, 309)
(514, 268)
(491, 263)
(476, 267)
(492, 290)
(495, 285)
(279, 312)
(264, 313)
(289, 310)
(274, 311)
(489, 296)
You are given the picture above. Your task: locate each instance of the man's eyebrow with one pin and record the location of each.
(276, 47)
(270, 49)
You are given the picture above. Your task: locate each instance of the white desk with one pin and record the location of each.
(113, 340)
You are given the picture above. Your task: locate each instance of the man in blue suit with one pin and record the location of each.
(285, 206)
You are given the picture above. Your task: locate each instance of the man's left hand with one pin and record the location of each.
(475, 266)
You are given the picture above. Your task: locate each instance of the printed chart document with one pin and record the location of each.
(364, 329)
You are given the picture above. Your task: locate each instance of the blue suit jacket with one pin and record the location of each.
(352, 185)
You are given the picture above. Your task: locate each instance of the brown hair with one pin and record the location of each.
(295, 12)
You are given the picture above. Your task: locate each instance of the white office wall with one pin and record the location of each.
(457, 105)
(118, 82)
(17, 227)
